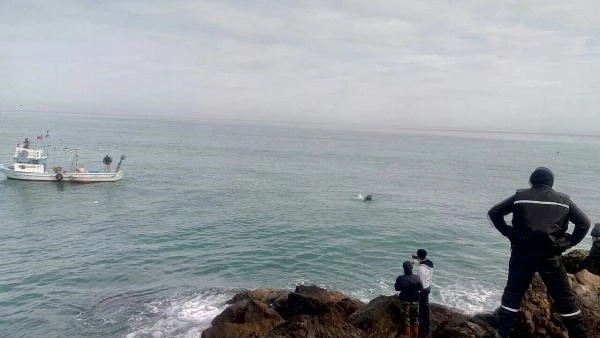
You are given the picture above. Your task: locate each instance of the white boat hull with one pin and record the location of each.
(71, 177)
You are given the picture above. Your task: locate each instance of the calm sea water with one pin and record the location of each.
(209, 208)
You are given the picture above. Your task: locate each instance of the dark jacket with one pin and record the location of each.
(540, 220)
(595, 251)
(408, 284)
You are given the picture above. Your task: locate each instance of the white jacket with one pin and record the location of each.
(425, 272)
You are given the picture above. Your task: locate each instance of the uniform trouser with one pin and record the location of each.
(424, 311)
(409, 312)
(520, 272)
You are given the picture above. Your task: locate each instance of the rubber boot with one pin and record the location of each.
(414, 331)
(494, 334)
(506, 322)
(497, 335)
(405, 333)
(575, 326)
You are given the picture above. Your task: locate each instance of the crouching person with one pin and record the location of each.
(592, 261)
(410, 287)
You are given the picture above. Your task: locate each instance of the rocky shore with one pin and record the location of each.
(310, 311)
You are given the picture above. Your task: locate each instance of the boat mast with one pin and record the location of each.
(75, 161)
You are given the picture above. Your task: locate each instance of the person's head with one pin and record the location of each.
(407, 266)
(421, 253)
(541, 176)
(596, 230)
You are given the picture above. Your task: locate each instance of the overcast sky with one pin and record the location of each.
(499, 65)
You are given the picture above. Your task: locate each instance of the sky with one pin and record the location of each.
(514, 65)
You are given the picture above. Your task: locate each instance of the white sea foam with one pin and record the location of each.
(181, 316)
(469, 298)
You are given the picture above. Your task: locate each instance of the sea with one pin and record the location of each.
(209, 208)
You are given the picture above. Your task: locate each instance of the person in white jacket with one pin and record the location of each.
(424, 269)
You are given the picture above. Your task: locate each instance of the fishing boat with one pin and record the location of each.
(30, 164)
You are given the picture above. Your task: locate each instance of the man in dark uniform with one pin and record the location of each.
(538, 236)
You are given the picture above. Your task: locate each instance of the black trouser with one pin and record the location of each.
(521, 268)
(424, 312)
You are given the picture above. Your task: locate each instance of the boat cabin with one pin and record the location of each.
(29, 160)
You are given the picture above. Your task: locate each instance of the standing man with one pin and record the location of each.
(424, 271)
(107, 160)
(538, 236)
(409, 286)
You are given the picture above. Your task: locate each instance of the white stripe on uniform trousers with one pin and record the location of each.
(509, 308)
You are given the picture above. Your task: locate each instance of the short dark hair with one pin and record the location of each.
(421, 253)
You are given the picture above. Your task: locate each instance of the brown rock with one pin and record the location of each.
(326, 326)
(319, 293)
(572, 260)
(311, 311)
(312, 300)
(265, 295)
(462, 326)
(246, 318)
(439, 314)
(379, 318)
(587, 288)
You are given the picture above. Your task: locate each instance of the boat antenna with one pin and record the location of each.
(119, 164)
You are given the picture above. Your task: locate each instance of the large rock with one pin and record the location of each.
(315, 301)
(246, 318)
(573, 259)
(379, 318)
(305, 326)
(537, 317)
(311, 311)
(462, 326)
(587, 288)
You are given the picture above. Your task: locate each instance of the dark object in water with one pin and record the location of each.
(368, 198)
